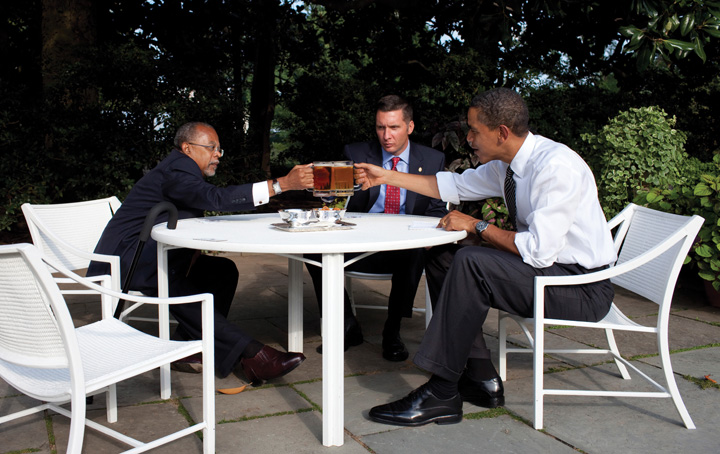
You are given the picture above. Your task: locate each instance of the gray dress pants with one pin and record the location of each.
(465, 282)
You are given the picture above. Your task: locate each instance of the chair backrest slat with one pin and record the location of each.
(648, 229)
(79, 225)
(29, 331)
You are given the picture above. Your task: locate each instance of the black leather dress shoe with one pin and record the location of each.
(418, 408)
(486, 393)
(268, 364)
(353, 334)
(394, 348)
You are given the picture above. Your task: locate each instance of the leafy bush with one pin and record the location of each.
(636, 150)
(698, 193)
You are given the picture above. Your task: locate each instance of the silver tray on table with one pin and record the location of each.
(313, 227)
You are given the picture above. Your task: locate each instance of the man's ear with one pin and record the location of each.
(503, 133)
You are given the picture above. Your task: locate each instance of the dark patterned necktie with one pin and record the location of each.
(392, 194)
(510, 194)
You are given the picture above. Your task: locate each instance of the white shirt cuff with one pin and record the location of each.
(447, 188)
(261, 193)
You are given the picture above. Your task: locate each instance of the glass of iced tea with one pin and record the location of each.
(333, 179)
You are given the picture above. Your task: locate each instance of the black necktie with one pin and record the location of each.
(510, 194)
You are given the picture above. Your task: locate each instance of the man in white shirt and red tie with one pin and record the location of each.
(561, 230)
(393, 151)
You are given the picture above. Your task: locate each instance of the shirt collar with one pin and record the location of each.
(519, 162)
(404, 156)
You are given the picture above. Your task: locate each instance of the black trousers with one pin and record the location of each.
(465, 282)
(208, 274)
(406, 267)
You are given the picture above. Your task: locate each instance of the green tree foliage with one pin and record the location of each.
(636, 150)
(672, 30)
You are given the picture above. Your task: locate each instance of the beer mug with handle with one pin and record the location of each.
(333, 179)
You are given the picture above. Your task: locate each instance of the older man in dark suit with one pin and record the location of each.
(393, 150)
(180, 179)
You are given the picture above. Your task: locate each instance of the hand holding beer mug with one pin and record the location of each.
(333, 179)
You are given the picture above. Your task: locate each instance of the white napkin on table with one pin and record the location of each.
(422, 225)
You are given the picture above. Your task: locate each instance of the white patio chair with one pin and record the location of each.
(651, 246)
(68, 233)
(45, 357)
(350, 275)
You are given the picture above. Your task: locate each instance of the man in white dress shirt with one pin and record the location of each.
(561, 230)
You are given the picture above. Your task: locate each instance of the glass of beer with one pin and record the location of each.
(333, 179)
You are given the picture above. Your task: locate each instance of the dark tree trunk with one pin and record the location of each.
(262, 92)
(68, 31)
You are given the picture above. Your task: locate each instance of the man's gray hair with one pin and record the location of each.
(186, 132)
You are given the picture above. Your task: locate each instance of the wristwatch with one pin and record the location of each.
(276, 186)
(480, 227)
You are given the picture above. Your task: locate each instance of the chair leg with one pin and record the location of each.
(613, 348)
(77, 423)
(111, 403)
(502, 348)
(428, 307)
(209, 409)
(349, 290)
(538, 358)
(672, 388)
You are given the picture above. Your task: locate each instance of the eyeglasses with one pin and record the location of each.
(212, 148)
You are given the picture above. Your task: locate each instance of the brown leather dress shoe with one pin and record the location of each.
(268, 364)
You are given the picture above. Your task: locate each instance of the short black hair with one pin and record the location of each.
(502, 106)
(394, 102)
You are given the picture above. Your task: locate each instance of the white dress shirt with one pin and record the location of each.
(559, 218)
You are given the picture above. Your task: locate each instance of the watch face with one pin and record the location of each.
(481, 226)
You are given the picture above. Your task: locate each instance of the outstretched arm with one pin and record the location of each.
(369, 175)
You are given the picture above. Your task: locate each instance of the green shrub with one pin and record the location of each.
(698, 193)
(636, 150)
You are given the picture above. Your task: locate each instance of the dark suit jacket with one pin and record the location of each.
(423, 161)
(176, 179)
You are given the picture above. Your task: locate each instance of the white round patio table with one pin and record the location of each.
(255, 233)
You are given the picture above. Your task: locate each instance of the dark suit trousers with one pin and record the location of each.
(219, 276)
(465, 282)
(406, 267)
